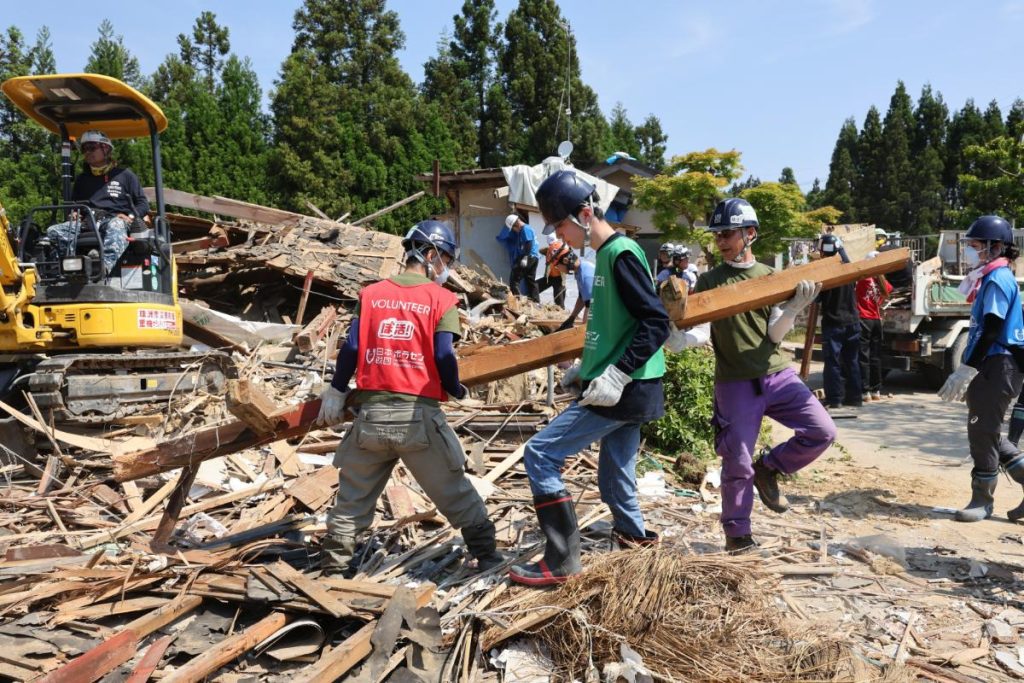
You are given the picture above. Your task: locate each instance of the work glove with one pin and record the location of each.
(806, 292)
(571, 378)
(955, 388)
(606, 389)
(687, 337)
(567, 325)
(332, 407)
(523, 262)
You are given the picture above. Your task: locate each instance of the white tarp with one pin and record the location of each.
(523, 181)
(247, 332)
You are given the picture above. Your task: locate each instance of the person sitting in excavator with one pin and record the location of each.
(115, 195)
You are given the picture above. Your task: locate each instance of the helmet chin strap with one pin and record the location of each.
(747, 241)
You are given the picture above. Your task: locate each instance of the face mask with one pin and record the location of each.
(440, 277)
(971, 257)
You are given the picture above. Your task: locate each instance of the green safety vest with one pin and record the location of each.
(610, 327)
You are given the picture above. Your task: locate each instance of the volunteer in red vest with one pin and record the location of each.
(400, 348)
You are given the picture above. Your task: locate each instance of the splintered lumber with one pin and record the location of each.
(673, 293)
(228, 650)
(150, 660)
(316, 329)
(287, 574)
(157, 619)
(97, 662)
(337, 661)
(251, 405)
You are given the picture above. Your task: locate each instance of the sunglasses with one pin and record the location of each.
(726, 234)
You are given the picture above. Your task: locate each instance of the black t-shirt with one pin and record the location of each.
(839, 306)
(118, 191)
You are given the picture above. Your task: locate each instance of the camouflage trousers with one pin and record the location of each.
(113, 233)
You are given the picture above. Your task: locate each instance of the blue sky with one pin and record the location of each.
(772, 78)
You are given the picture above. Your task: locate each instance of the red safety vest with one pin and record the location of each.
(396, 338)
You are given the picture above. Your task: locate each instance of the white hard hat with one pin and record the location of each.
(95, 136)
(510, 220)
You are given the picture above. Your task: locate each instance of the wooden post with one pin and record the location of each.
(812, 325)
(306, 286)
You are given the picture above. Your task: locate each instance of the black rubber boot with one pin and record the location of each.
(735, 545)
(766, 481)
(983, 489)
(336, 553)
(481, 545)
(1016, 424)
(627, 541)
(557, 517)
(1015, 468)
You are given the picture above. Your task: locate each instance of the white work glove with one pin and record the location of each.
(523, 261)
(806, 292)
(606, 389)
(332, 407)
(571, 378)
(955, 388)
(688, 337)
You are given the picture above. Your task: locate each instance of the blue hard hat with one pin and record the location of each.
(990, 228)
(733, 213)
(559, 195)
(431, 234)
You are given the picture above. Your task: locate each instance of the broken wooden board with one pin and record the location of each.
(249, 403)
(673, 294)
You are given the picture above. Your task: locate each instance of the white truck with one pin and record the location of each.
(925, 322)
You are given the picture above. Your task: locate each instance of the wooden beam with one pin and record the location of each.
(307, 284)
(489, 363)
(97, 662)
(287, 574)
(177, 608)
(228, 650)
(316, 329)
(251, 405)
(389, 209)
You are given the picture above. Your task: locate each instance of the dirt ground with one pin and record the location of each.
(888, 485)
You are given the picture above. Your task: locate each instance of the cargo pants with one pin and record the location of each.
(382, 434)
(113, 232)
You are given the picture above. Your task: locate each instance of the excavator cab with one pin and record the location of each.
(78, 302)
(90, 342)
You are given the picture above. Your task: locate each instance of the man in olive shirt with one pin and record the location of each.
(753, 379)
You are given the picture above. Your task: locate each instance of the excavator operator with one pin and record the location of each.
(113, 192)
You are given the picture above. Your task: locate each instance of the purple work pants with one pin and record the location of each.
(739, 407)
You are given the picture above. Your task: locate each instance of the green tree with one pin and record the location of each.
(686, 193)
(109, 56)
(737, 187)
(994, 126)
(842, 184)
(29, 161)
(539, 97)
(653, 142)
(996, 181)
(928, 199)
(869, 190)
(621, 133)
(207, 48)
(966, 128)
(1015, 119)
(816, 195)
(897, 171)
(350, 127)
(782, 212)
(445, 85)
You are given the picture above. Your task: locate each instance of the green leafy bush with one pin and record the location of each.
(689, 394)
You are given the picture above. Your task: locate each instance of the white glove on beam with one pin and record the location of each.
(806, 292)
(680, 339)
(332, 407)
(571, 379)
(955, 388)
(606, 389)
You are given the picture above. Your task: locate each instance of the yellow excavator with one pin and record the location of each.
(88, 343)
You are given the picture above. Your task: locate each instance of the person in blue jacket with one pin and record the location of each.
(990, 372)
(523, 255)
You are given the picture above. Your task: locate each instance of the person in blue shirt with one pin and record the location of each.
(523, 255)
(583, 271)
(990, 372)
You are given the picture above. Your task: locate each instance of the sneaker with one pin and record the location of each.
(865, 398)
(735, 545)
(876, 396)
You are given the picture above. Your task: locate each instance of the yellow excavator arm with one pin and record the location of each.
(17, 289)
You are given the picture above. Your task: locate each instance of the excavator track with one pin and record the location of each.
(90, 389)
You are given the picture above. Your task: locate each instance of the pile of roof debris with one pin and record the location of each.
(95, 585)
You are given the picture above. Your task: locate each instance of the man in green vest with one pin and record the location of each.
(620, 378)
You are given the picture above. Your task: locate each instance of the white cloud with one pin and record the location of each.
(850, 15)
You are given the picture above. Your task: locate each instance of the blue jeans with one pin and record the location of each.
(568, 434)
(841, 347)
